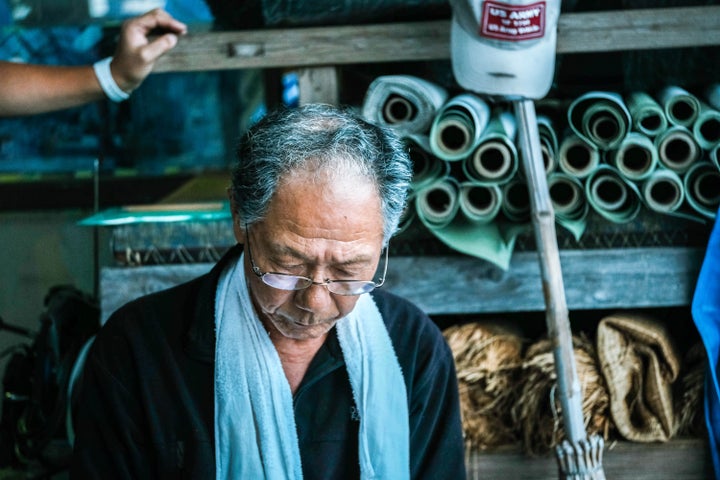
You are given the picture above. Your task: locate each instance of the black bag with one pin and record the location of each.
(41, 374)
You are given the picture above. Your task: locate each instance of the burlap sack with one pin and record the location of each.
(640, 364)
(487, 359)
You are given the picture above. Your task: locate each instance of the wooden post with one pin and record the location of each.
(318, 85)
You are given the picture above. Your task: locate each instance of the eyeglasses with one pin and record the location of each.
(285, 281)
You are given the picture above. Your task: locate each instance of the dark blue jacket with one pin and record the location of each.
(147, 402)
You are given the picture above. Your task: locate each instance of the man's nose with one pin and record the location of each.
(316, 298)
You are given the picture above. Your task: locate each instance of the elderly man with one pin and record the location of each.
(287, 360)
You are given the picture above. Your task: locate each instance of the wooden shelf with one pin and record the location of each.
(430, 40)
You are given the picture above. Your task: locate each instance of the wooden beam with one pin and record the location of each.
(636, 29)
(639, 29)
(295, 47)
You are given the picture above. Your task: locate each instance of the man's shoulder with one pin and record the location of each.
(407, 324)
(394, 305)
(166, 312)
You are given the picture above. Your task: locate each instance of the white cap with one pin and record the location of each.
(504, 47)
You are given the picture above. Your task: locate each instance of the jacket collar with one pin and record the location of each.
(200, 336)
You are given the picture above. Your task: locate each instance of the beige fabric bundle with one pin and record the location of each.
(487, 358)
(538, 409)
(639, 363)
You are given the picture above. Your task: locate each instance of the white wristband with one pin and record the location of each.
(107, 82)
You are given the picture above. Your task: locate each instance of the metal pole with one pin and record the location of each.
(578, 456)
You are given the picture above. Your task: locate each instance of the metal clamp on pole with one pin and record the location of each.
(506, 49)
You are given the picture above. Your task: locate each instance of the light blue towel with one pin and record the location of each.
(706, 313)
(255, 433)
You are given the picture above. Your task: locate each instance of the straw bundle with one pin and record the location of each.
(538, 412)
(689, 416)
(487, 358)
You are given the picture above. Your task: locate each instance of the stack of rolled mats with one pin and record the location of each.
(634, 385)
(606, 152)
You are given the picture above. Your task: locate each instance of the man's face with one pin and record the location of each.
(317, 228)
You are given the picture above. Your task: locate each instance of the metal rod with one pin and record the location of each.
(95, 230)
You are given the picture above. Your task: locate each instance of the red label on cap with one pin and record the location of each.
(512, 22)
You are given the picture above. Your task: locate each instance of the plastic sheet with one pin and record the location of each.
(159, 214)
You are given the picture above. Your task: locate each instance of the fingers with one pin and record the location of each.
(155, 49)
(157, 19)
(139, 48)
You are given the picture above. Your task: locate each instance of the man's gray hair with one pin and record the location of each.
(321, 138)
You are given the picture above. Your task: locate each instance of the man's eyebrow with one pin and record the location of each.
(287, 250)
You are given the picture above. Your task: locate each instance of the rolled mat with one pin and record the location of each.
(664, 192)
(438, 208)
(549, 145)
(427, 168)
(681, 107)
(648, 117)
(480, 203)
(636, 157)
(569, 203)
(612, 196)
(712, 95)
(706, 127)
(702, 188)
(639, 363)
(406, 103)
(577, 156)
(516, 201)
(601, 118)
(538, 410)
(677, 149)
(438, 203)
(487, 358)
(495, 159)
(458, 125)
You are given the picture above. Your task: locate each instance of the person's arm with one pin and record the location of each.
(30, 89)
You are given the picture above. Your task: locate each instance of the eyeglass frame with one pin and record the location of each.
(327, 283)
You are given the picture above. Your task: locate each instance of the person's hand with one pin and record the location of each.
(137, 52)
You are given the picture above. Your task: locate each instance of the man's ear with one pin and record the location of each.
(238, 225)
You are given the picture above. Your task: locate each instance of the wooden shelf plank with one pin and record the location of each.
(419, 41)
(680, 459)
(594, 279)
